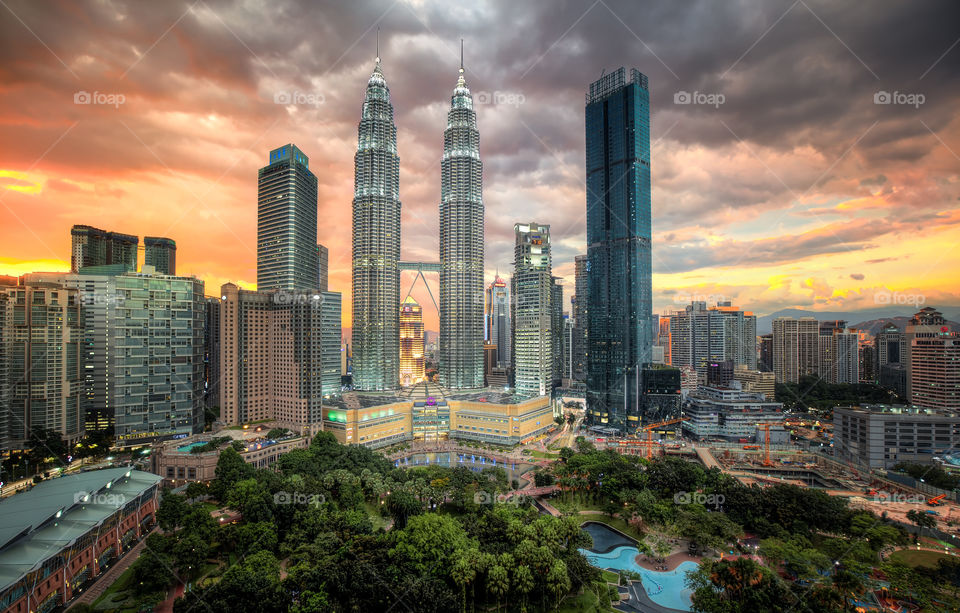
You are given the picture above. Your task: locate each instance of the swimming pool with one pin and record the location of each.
(667, 589)
(188, 447)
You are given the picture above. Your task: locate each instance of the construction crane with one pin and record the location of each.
(649, 430)
(766, 442)
(936, 501)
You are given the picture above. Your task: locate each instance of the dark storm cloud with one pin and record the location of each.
(794, 76)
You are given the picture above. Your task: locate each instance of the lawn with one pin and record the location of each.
(373, 512)
(918, 557)
(543, 455)
(252, 423)
(610, 577)
(116, 596)
(585, 602)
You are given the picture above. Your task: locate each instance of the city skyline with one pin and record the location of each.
(770, 199)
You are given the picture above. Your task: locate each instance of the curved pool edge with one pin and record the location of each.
(665, 590)
(626, 536)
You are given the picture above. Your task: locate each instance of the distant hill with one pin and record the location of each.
(898, 314)
(875, 325)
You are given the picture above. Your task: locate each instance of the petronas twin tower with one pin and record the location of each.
(376, 244)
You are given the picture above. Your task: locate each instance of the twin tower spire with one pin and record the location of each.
(376, 243)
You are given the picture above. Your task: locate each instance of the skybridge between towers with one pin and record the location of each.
(420, 268)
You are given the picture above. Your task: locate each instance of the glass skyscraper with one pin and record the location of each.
(498, 331)
(461, 246)
(161, 253)
(533, 289)
(286, 222)
(376, 243)
(620, 320)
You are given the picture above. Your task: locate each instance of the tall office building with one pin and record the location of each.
(461, 246)
(286, 222)
(323, 268)
(580, 305)
(926, 323)
(279, 358)
(532, 289)
(376, 242)
(700, 336)
(890, 346)
(556, 329)
(411, 343)
(739, 335)
(620, 317)
(161, 253)
(568, 333)
(143, 337)
(933, 370)
(304, 359)
(95, 247)
(498, 334)
(796, 348)
(765, 362)
(42, 337)
(868, 354)
(664, 339)
(660, 398)
(244, 355)
(212, 353)
(839, 360)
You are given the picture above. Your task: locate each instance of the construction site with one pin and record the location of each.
(765, 464)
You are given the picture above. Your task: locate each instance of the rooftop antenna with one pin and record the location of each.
(378, 44)
(461, 55)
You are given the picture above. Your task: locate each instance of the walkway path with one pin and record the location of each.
(671, 562)
(638, 601)
(113, 573)
(167, 605)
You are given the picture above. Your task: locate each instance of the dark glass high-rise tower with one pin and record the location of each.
(620, 319)
(376, 243)
(461, 246)
(286, 222)
(161, 253)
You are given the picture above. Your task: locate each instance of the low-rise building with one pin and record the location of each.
(489, 416)
(56, 538)
(756, 381)
(880, 436)
(180, 461)
(729, 413)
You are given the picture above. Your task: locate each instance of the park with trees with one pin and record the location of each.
(340, 528)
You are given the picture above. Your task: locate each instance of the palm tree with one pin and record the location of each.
(463, 574)
(523, 582)
(498, 583)
(558, 582)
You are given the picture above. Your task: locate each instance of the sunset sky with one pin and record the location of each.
(798, 190)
